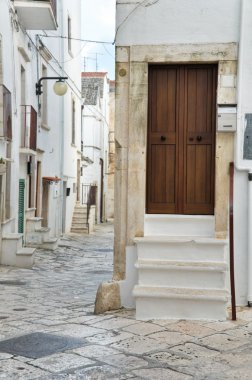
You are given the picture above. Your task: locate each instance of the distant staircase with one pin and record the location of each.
(181, 268)
(79, 221)
(38, 236)
(83, 220)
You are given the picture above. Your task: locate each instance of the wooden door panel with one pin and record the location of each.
(161, 186)
(181, 139)
(200, 141)
(198, 181)
(163, 99)
(163, 174)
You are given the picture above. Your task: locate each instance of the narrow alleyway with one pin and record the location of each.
(48, 330)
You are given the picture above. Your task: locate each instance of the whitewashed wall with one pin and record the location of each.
(171, 21)
(58, 157)
(163, 22)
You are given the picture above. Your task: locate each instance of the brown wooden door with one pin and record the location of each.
(181, 139)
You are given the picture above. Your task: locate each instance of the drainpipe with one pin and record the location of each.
(244, 105)
(62, 129)
(249, 239)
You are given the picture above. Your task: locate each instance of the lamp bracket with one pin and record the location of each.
(39, 83)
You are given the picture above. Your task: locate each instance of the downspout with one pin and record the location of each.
(62, 130)
(249, 239)
(244, 105)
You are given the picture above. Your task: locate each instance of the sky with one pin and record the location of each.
(99, 24)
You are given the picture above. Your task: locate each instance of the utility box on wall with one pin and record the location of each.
(227, 115)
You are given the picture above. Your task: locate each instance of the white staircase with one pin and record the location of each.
(38, 236)
(181, 269)
(79, 221)
(13, 252)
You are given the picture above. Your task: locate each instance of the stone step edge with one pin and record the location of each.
(182, 265)
(12, 236)
(75, 231)
(47, 241)
(78, 225)
(179, 240)
(50, 240)
(26, 251)
(180, 293)
(34, 219)
(41, 229)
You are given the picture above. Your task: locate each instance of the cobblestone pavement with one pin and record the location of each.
(48, 330)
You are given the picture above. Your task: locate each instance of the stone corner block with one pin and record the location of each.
(107, 297)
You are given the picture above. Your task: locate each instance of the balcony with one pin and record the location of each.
(28, 143)
(37, 14)
(5, 114)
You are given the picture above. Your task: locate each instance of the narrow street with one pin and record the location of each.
(49, 331)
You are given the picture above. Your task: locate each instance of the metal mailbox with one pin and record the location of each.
(227, 115)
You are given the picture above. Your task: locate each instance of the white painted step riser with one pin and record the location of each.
(37, 237)
(32, 225)
(24, 261)
(79, 231)
(179, 225)
(182, 279)
(11, 246)
(181, 251)
(49, 246)
(159, 308)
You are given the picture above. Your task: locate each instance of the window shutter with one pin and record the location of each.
(21, 206)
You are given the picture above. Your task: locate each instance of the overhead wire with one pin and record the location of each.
(77, 39)
(53, 68)
(56, 61)
(151, 2)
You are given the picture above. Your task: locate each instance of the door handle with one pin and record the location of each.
(199, 138)
(162, 138)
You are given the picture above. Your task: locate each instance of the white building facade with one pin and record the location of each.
(95, 131)
(183, 114)
(40, 139)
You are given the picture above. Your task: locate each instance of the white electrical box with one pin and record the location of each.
(227, 118)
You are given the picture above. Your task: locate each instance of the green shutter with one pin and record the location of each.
(21, 206)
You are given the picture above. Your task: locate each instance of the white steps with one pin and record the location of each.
(38, 236)
(183, 303)
(184, 248)
(79, 220)
(177, 225)
(25, 257)
(13, 252)
(181, 269)
(182, 274)
(49, 243)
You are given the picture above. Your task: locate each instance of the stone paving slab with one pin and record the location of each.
(57, 296)
(61, 362)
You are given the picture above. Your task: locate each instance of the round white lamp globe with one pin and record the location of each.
(60, 87)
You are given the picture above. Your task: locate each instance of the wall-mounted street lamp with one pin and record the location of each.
(59, 87)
